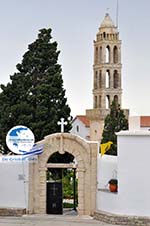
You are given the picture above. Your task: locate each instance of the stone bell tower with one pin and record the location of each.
(106, 75)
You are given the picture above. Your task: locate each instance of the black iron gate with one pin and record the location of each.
(54, 204)
(54, 191)
(54, 198)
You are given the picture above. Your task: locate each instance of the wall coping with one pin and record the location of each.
(70, 136)
(133, 133)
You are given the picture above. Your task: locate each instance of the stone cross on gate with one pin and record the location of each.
(62, 123)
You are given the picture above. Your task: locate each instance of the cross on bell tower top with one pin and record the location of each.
(62, 123)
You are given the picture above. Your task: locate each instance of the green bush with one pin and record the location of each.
(68, 185)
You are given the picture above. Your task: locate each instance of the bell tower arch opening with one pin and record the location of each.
(107, 102)
(116, 79)
(96, 55)
(107, 54)
(100, 80)
(116, 99)
(107, 79)
(115, 55)
(95, 80)
(101, 54)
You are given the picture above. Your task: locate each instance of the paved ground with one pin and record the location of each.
(50, 220)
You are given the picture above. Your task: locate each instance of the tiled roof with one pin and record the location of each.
(145, 121)
(83, 119)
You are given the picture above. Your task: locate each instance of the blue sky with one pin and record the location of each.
(74, 26)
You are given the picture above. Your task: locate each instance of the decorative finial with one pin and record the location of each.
(107, 11)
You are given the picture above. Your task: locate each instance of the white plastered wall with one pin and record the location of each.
(133, 197)
(13, 184)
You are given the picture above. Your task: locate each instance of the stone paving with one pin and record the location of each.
(50, 220)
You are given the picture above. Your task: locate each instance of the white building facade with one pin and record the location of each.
(80, 127)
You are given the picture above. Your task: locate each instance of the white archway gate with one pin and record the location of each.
(85, 153)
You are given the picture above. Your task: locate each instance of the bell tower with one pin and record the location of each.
(107, 65)
(106, 75)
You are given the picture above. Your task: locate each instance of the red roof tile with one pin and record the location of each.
(145, 121)
(83, 119)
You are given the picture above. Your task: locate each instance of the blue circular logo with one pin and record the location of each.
(20, 139)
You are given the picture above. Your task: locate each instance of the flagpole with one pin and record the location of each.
(117, 11)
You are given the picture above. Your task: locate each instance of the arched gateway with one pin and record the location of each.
(85, 152)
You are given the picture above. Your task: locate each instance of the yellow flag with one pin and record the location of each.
(105, 147)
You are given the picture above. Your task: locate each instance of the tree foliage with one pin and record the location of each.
(115, 121)
(35, 96)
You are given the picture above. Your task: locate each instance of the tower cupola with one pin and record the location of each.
(107, 23)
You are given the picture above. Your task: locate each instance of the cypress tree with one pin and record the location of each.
(35, 96)
(114, 122)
